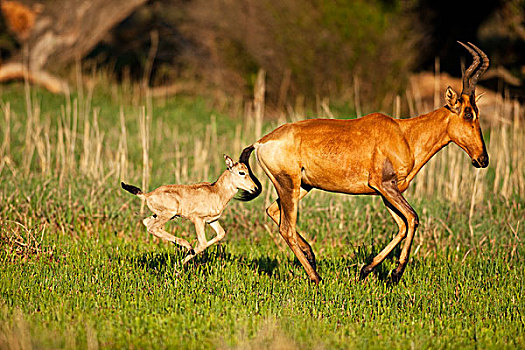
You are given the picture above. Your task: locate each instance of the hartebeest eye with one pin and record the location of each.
(467, 114)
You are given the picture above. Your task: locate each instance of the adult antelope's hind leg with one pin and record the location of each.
(274, 212)
(385, 182)
(286, 178)
(288, 192)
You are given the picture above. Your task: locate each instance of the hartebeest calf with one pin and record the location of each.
(372, 155)
(201, 203)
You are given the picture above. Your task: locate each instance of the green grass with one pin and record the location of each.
(78, 270)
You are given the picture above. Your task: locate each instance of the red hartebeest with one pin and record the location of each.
(373, 155)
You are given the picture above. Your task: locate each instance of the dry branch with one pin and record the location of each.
(14, 70)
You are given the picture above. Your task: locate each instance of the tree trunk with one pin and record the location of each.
(55, 33)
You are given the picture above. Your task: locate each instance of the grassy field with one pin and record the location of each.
(78, 270)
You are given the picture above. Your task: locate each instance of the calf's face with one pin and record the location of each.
(240, 175)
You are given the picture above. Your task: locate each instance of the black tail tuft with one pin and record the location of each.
(243, 195)
(131, 189)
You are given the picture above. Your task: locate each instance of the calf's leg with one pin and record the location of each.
(154, 226)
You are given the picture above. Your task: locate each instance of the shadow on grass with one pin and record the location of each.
(155, 262)
(368, 253)
(152, 261)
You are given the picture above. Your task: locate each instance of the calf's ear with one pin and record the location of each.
(229, 162)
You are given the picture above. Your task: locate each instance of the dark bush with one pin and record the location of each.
(323, 45)
(307, 47)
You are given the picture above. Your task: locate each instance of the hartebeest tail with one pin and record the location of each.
(202, 203)
(371, 155)
(245, 159)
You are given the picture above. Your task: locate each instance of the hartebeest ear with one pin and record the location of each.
(451, 97)
(478, 97)
(229, 162)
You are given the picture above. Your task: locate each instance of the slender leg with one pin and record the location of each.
(397, 239)
(220, 233)
(386, 185)
(154, 226)
(274, 212)
(405, 254)
(286, 178)
(201, 237)
(288, 198)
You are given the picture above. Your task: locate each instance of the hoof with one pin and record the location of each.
(395, 276)
(317, 279)
(365, 271)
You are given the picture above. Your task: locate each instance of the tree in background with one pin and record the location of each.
(311, 48)
(51, 34)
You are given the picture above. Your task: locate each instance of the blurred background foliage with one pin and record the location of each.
(308, 48)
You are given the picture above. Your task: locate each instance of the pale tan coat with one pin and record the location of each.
(201, 203)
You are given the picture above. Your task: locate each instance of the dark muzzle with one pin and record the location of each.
(481, 162)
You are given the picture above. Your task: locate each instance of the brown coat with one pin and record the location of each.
(372, 155)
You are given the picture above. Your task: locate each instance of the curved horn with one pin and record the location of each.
(483, 67)
(467, 87)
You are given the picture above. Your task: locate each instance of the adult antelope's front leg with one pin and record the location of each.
(405, 252)
(386, 185)
(378, 259)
